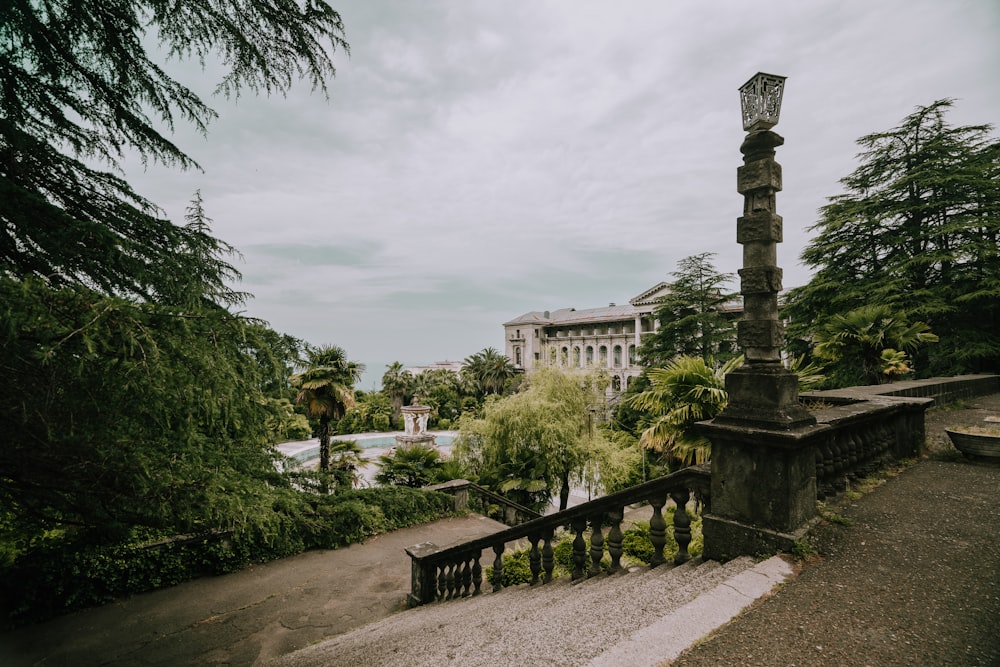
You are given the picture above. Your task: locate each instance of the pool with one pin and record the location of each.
(306, 450)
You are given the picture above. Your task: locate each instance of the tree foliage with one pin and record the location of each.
(692, 321)
(396, 383)
(79, 86)
(117, 413)
(414, 465)
(918, 231)
(870, 345)
(487, 372)
(534, 443)
(687, 390)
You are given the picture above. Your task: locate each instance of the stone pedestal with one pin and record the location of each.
(764, 396)
(763, 488)
(415, 419)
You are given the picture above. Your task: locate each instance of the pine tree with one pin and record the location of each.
(692, 317)
(917, 230)
(79, 90)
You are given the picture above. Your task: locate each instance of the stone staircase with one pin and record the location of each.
(638, 617)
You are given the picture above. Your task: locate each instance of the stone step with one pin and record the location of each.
(634, 618)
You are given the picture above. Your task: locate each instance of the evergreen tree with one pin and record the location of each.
(79, 88)
(918, 231)
(692, 317)
(487, 372)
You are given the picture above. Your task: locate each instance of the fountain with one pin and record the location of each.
(415, 420)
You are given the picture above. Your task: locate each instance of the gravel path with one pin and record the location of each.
(913, 580)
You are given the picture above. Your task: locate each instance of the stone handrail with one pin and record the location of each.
(513, 514)
(864, 437)
(455, 571)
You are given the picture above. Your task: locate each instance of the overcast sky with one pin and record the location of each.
(477, 159)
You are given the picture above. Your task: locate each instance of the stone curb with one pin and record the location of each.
(664, 640)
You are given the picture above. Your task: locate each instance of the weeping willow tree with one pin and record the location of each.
(536, 443)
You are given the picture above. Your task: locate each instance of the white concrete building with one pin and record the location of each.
(593, 338)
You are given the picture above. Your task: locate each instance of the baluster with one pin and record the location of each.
(548, 556)
(887, 443)
(657, 531)
(856, 453)
(477, 575)
(579, 548)
(820, 480)
(682, 525)
(865, 452)
(829, 469)
(615, 539)
(596, 545)
(535, 558)
(467, 576)
(442, 581)
(450, 581)
(498, 567)
(840, 446)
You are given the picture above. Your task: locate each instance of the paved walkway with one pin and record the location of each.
(244, 618)
(914, 580)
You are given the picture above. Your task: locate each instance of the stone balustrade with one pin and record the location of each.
(864, 436)
(456, 571)
(469, 495)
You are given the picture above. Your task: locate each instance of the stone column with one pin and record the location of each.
(762, 392)
(763, 461)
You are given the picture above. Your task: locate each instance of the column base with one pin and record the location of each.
(726, 539)
(765, 396)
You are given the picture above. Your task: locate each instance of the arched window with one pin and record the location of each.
(618, 357)
(564, 356)
(517, 356)
(616, 383)
(590, 355)
(603, 352)
(576, 356)
(631, 355)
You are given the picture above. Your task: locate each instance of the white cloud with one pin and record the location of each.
(477, 160)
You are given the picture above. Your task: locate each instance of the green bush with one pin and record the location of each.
(516, 569)
(68, 573)
(636, 544)
(381, 422)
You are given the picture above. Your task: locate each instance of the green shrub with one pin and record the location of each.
(381, 422)
(67, 572)
(516, 569)
(636, 544)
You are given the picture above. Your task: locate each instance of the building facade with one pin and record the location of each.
(605, 338)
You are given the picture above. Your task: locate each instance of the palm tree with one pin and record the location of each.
(412, 465)
(396, 382)
(686, 391)
(873, 339)
(345, 461)
(487, 372)
(326, 389)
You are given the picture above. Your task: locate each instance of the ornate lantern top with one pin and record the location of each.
(760, 99)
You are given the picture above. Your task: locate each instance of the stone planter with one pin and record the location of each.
(976, 444)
